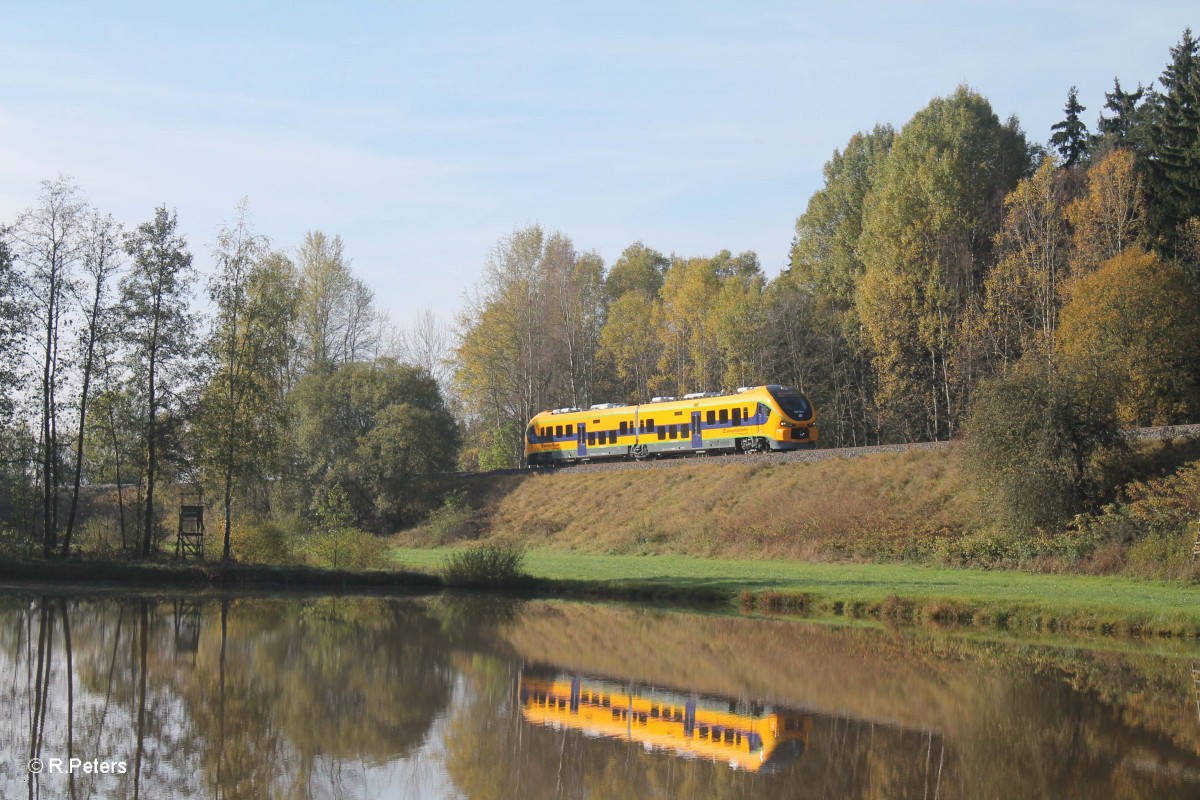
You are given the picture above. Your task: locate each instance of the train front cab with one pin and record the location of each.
(791, 425)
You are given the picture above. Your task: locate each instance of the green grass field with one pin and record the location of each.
(1026, 599)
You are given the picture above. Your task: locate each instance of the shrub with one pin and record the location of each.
(486, 565)
(345, 548)
(1037, 445)
(263, 541)
(455, 520)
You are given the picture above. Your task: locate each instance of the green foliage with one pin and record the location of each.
(258, 540)
(826, 251)
(1173, 162)
(638, 269)
(1070, 137)
(486, 565)
(454, 520)
(496, 451)
(379, 430)
(336, 543)
(240, 419)
(1037, 443)
(927, 240)
(160, 329)
(1127, 125)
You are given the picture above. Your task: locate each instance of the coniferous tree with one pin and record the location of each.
(1126, 125)
(1070, 136)
(1173, 166)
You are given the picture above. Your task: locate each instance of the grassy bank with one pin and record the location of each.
(900, 592)
(914, 507)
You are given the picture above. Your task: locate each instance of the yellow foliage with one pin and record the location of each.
(1108, 218)
(1135, 321)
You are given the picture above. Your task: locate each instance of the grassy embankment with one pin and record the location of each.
(902, 592)
(811, 537)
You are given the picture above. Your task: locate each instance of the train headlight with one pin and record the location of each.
(786, 424)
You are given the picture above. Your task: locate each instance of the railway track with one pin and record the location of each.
(800, 456)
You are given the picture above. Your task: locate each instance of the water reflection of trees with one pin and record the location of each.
(292, 699)
(273, 699)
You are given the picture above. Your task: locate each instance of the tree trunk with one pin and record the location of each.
(83, 398)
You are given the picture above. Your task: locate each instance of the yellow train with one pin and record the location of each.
(752, 419)
(690, 725)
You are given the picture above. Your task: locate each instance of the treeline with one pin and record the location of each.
(933, 259)
(282, 392)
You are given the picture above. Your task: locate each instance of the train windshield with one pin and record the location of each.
(794, 404)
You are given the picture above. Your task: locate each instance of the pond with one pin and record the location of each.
(127, 696)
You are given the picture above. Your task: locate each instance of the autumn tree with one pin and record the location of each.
(629, 344)
(577, 307)
(690, 360)
(12, 327)
(336, 316)
(1108, 218)
(101, 262)
(160, 327)
(49, 241)
(1135, 320)
(741, 329)
(239, 425)
(927, 240)
(505, 353)
(1022, 293)
(826, 255)
(638, 268)
(427, 342)
(814, 301)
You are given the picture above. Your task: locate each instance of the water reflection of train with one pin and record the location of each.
(751, 738)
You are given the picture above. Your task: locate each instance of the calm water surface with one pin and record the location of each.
(484, 697)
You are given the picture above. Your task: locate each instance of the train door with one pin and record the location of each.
(581, 440)
(697, 439)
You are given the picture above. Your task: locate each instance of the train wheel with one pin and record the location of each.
(751, 444)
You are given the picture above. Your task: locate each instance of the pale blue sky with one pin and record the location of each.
(422, 132)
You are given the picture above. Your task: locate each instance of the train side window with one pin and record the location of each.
(662, 432)
(591, 438)
(624, 428)
(724, 417)
(570, 431)
(650, 424)
(558, 430)
(673, 432)
(737, 416)
(685, 430)
(711, 418)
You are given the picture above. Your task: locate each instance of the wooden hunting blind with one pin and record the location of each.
(191, 533)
